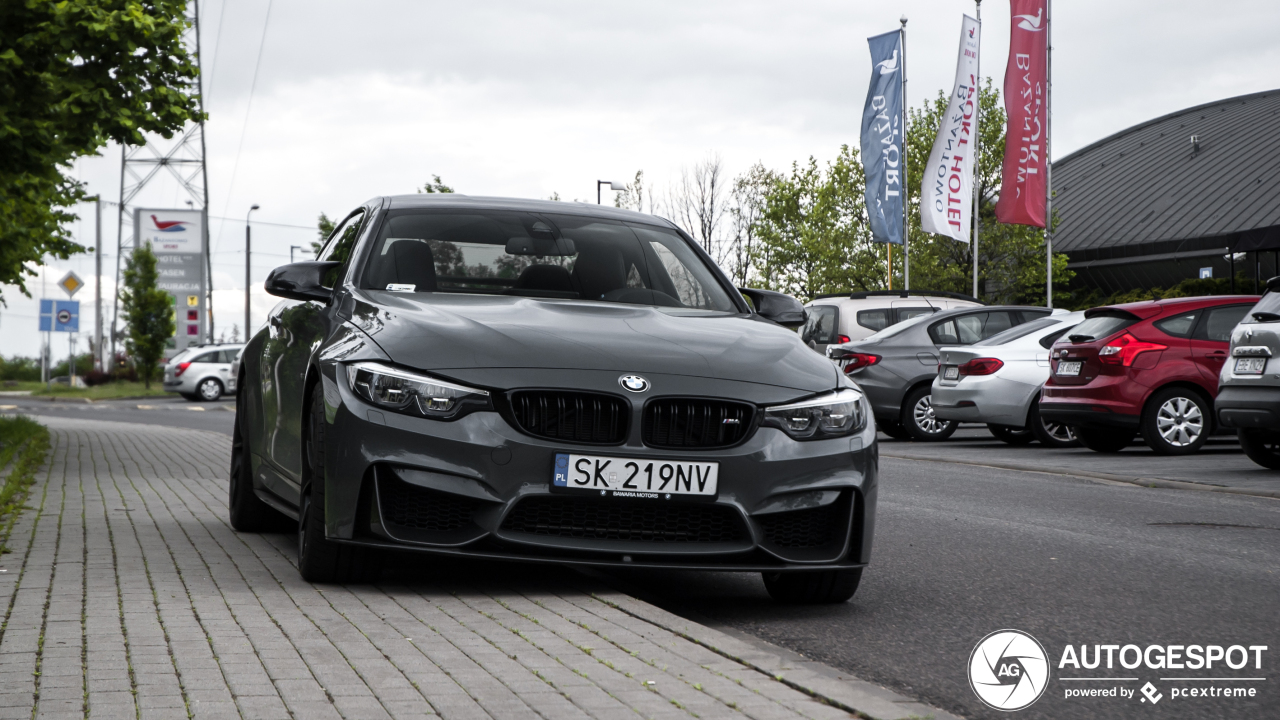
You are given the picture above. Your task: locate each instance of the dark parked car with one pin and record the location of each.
(896, 366)
(1149, 367)
(547, 382)
(1249, 385)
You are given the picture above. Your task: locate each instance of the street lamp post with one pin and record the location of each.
(247, 282)
(617, 186)
(291, 249)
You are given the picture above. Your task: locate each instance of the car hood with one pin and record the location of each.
(434, 331)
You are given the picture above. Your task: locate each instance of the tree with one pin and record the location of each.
(435, 186)
(75, 75)
(747, 198)
(635, 196)
(148, 313)
(696, 204)
(326, 226)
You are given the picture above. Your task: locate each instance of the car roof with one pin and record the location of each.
(456, 201)
(1151, 308)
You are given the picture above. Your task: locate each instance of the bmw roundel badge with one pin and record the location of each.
(633, 383)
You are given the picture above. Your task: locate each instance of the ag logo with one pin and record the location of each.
(1008, 670)
(633, 383)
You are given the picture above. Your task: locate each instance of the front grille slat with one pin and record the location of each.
(695, 423)
(644, 522)
(570, 416)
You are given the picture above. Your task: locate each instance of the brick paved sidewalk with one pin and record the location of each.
(127, 595)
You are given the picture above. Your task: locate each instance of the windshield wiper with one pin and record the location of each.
(1080, 338)
(1266, 317)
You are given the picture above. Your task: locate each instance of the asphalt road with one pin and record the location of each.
(962, 551)
(172, 411)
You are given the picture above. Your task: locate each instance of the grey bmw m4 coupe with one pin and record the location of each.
(547, 382)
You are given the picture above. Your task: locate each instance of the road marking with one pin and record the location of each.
(196, 408)
(8, 407)
(146, 407)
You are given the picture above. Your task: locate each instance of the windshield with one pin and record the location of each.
(541, 255)
(1101, 325)
(899, 327)
(1019, 331)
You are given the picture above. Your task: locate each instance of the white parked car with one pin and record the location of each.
(997, 382)
(202, 373)
(849, 317)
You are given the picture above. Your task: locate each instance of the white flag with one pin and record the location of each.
(946, 194)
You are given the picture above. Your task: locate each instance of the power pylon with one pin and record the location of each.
(184, 157)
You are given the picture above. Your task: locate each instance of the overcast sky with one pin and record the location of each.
(356, 99)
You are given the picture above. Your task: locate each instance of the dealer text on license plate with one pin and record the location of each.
(1250, 366)
(951, 372)
(1069, 368)
(634, 477)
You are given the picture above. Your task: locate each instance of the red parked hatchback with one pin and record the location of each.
(1150, 367)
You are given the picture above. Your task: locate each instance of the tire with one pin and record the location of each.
(1262, 447)
(1054, 435)
(1177, 421)
(918, 419)
(320, 560)
(209, 389)
(248, 512)
(893, 429)
(1012, 435)
(1105, 439)
(812, 587)
(189, 397)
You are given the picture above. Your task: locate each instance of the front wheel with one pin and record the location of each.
(812, 587)
(1104, 439)
(248, 512)
(1012, 435)
(919, 420)
(1176, 422)
(1261, 446)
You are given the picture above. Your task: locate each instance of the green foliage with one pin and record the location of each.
(1191, 287)
(84, 365)
(326, 225)
(22, 369)
(148, 312)
(435, 186)
(74, 75)
(24, 442)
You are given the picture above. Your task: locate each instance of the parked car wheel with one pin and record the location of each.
(919, 420)
(1176, 421)
(893, 429)
(248, 512)
(320, 559)
(1262, 447)
(1012, 435)
(209, 389)
(812, 587)
(1105, 439)
(1050, 434)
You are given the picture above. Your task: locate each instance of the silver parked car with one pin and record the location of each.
(1249, 383)
(997, 381)
(202, 373)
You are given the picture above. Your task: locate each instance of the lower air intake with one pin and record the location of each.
(809, 528)
(657, 522)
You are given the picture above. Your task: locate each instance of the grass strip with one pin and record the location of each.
(24, 443)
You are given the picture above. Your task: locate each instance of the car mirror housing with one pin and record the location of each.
(778, 307)
(301, 281)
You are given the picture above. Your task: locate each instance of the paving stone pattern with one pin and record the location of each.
(127, 595)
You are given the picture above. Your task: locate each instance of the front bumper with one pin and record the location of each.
(1248, 407)
(477, 487)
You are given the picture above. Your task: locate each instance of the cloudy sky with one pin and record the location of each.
(356, 99)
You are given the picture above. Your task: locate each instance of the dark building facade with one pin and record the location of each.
(1157, 203)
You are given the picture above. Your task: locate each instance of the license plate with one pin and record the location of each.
(1250, 366)
(1069, 368)
(951, 372)
(633, 477)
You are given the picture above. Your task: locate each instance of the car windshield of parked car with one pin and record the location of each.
(541, 255)
(1267, 309)
(1019, 331)
(1102, 325)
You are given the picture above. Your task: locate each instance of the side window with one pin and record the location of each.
(1047, 341)
(969, 329)
(820, 328)
(1179, 325)
(207, 357)
(874, 319)
(340, 244)
(227, 356)
(944, 333)
(997, 322)
(908, 313)
(1220, 321)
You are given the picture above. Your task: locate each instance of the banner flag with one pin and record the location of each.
(882, 139)
(1022, 187)
(946, 193)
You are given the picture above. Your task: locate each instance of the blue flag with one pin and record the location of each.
(882, 138)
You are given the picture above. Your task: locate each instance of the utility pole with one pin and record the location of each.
(247, 285)
(906, 191)
(97, 288)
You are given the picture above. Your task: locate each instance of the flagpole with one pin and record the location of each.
(1048, 164)
(977, 139)
(906, 193)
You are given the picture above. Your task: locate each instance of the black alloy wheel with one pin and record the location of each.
(1051, 434)
(1105, 439)
(209, 389)
(1261, 446)
(1177, 421)
(812, 587)
(247, 511)
(1012, 435)
(919, 420)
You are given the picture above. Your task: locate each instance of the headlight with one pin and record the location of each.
(831, 415)
(413, 394)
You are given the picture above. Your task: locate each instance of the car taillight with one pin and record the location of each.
(182, 367)
(981, 366)
(842, 339)
(1125, 348)
(857, 361)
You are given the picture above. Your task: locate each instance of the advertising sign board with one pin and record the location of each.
(177, 239)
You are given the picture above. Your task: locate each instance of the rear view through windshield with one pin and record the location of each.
(541, 255)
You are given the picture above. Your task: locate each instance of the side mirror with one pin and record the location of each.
(778, 307)
(301, 281)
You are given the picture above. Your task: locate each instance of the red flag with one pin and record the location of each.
(1022, 189)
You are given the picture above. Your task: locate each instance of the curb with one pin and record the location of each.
(1089, 475)
(821, 682)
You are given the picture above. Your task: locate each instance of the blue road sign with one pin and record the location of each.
(46, 315)
(66, 315)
